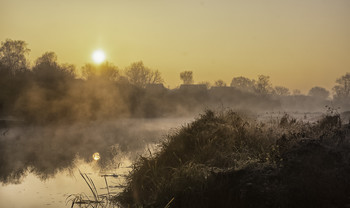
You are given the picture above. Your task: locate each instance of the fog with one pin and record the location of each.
(44, 151)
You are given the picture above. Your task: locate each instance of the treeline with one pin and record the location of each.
(49, 91)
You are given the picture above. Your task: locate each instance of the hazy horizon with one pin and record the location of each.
(298, 44)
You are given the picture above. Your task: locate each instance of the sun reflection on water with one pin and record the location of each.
(96, 156)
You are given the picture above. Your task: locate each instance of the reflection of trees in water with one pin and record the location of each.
(45, 151)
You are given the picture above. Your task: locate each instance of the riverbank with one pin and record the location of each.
(225, 159)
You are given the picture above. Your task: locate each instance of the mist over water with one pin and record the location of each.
(46, 150)
(41, 163)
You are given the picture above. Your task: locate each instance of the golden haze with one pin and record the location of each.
(299, 44)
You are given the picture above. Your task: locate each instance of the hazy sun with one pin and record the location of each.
(98, 56)
(96, 156)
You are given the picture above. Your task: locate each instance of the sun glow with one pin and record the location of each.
(96, 156)
(98, 56)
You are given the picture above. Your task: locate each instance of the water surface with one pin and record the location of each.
(40, 164)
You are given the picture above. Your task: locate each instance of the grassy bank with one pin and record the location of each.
(227, 159)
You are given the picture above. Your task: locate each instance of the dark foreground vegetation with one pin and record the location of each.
(231, 160)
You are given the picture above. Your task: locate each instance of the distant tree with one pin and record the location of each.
(47, 70)
(282, 91)
(13, 55)
(89, 71)
(206, 83)
(243, 83)
(296, 92)
(187, 77)
(263, 85)
(342, 89)
(13, 73)
(140, 75)
(47, 61)
(319, 92)
(105, 71)
(220, 83)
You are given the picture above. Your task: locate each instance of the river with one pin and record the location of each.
(41, 165)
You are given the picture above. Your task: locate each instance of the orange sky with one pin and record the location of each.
(299, 44)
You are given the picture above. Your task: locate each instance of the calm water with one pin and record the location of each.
(40, 165)
(33, 192)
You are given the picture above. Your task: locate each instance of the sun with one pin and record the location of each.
(98, 56)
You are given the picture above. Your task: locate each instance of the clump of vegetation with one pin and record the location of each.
(225, 159)
(96, 200)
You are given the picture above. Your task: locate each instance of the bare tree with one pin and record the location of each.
(342, 89)
(13, 55)
(282, 91)
(220, 83)
(296, 92)
(263, 85)
(206, 83)
(106, 71)
(319, 92)
(187, 77)
(140, 75)
(243, 84)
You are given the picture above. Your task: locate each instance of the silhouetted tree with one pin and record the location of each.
(187, 77)
(48, 58)
(243, 84)
(342, 89)
(282, 91)
(140, 75)
(47, 69)
(319, 92)
(263, 85)
(13, 55)
(14, 73)
(106, 71)
(206, 83)
(296, 92)
(220, 83)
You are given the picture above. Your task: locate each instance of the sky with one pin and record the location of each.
(299, 44)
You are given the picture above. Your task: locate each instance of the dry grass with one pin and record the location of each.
(98, 200)
(226, 159)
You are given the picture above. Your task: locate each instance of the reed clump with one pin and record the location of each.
(227, 159)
